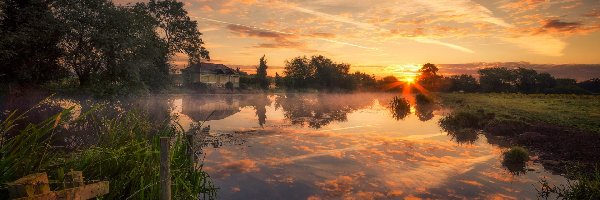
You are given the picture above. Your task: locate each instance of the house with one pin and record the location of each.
(216, 75)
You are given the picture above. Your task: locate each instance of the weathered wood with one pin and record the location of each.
(36, 186)
(29, 185)
(79, 193)
(74, 179)
(165, 173)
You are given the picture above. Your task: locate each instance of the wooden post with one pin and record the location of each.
(165, 174)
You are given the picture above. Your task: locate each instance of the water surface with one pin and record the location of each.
(340, 146)
(327, 146)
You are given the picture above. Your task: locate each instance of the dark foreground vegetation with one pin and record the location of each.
(124, 151)
(562, 130)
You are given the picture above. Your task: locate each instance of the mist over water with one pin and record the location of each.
(327, 146)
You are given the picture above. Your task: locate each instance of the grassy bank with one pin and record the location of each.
(125, 152)
(574, 111)
(563, 130)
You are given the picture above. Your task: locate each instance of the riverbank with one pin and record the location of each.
(563, 130)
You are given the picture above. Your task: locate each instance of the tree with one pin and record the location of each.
(463, 82)
(497, 79)
(544, 81)
(428, 77)
(179, 32)
(261, 74)
(298, 72)
(592, 85)
(278, 80)
(29, 34)
(525, 80)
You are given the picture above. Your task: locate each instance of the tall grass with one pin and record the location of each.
(127, 154)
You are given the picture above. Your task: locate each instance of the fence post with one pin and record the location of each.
(165, 173)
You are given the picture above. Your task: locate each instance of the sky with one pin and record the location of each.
(387, 36)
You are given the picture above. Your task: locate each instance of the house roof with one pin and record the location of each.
(210, 68)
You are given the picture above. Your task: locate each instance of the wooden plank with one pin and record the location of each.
(74, 179)
(165, 173)
(79, 193)
(29, 185)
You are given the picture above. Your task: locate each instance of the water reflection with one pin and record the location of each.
(318, 110)
(333, 146)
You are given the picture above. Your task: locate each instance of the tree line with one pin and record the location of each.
(505, 80)
(321, 73)
(95, 44)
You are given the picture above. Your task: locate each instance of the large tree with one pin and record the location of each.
(497, 79)
(29, 34)
(179, 32)
(428, 77)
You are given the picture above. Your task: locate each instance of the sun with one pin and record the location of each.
(409, 80)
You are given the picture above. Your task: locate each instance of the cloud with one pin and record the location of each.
(557, 26)
(279, 40)
(523, 5)
(561, 26)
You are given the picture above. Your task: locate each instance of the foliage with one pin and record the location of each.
(429, 77)
(112, 49)
(28, 38)
(516, 154)
(463, 82)
(515, 160)
(322, 73)
(278, 80)
(592, 85)
(584, 187)
(179, 32)
(497, 79)
(261, 74)
(127, 154)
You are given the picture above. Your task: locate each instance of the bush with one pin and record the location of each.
(516, 155)
(586, 187)
(465, 119)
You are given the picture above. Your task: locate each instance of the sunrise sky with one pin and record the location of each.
(380, 36)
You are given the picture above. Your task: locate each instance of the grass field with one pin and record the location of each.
(575, 111)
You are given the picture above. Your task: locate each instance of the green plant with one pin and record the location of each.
(516, 154)
(126, 154)
(584, 187)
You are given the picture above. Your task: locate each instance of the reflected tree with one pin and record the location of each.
(316, 110)
(399, 107)
(424, 110)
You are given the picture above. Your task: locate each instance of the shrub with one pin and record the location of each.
(465, 119)
(585, 187)
(516, 155)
